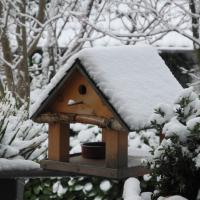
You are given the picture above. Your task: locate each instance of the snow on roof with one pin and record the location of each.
(133, 78)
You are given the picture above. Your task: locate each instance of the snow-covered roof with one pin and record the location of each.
(133, 78)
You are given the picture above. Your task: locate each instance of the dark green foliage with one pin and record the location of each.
(177, 61)
(173, 167)
(174, 172)
(74, 188)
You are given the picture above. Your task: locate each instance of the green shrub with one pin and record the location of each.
(175, 165)
(83, 188)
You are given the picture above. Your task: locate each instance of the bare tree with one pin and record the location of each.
(62, 28)
(15, 28)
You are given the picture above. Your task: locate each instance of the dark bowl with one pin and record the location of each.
(93, 150)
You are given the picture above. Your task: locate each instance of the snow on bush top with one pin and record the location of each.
(133, 78)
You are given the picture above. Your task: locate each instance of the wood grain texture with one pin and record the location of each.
(58, 148)
(91, 102)
(116, 148)
(89, 167)
(86, 119)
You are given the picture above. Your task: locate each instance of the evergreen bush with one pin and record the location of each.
(175, 164)
(83, 188)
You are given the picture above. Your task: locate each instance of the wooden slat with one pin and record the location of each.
(54, 117)
(89, 167)
(37, 173)
(58, 148)
(91, 102)
(87, 119)
(79, 168)
(134, 169)
(116, 148)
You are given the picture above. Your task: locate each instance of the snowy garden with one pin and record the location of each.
(174, 163)
(117, 45)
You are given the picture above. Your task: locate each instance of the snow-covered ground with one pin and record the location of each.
(136, 142)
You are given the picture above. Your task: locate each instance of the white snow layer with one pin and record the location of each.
(134, 79)
(176, 197)
(17, 164)
(132, 191)
(174, 127)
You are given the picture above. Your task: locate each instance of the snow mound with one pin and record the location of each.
(17, 164)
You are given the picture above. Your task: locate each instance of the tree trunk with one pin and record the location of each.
(7, 55)
(23, 81)
(195, 21)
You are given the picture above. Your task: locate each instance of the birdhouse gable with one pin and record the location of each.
(78, 95)
(124, 82)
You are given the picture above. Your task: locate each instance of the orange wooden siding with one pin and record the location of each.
(92, 103)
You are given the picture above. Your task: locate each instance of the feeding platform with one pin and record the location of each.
(114, 88)
(79, 165)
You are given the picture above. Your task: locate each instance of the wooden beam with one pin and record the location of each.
(54, 117)
(100, 121)
(87, 119)
(89, 167)
(34, 173)
(116, 148)
(79, 168)
(58, 148)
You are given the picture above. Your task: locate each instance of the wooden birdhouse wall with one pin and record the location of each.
(88, 104)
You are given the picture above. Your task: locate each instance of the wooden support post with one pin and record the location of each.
(103, 136)
(8, 189)
(116, 148)
(58, 148)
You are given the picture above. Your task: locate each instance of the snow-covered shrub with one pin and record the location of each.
(132, 191)
(40, 70)
(175, 165)
(19, 137)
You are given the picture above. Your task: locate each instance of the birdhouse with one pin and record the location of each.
(114, 88)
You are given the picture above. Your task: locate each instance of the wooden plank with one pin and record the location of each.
(90, 167)
(116, 148)
(37, 173)
(78, 168)
(92, 162)
(58, 148)
(135, 169)
(91, 103)
(73, 117)
(103, 136)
